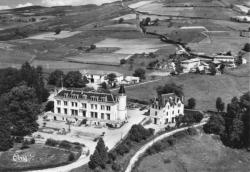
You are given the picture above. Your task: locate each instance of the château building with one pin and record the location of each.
(166, 108)
(97, 108)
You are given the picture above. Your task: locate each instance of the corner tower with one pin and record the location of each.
(122, 104)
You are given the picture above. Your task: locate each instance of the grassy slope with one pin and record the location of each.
(196, 154)
(204, 88)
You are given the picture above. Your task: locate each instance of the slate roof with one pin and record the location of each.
(87, 95)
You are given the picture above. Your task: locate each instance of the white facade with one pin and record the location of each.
(224, 58)
(97, 108)
(189, 65)
(166, 109)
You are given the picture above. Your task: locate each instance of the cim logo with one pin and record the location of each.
(22, 156)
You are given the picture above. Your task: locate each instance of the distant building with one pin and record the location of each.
(245, 33)
(96, 108)
(243, 19)
(166, 108)
(98, 77)
(130, 80)
(224, 58)
(190, 65)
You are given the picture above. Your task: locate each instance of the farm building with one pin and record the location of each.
(97, 108)
(130, 80)
(245, 33)
(191, 64)
(245, 19)
(98, 77)
(224, 58)
(166, 108)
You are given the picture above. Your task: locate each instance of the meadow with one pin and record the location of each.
(196, 153)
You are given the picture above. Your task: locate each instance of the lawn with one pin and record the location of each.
(204, 88)
(197, 153)
(37, 157)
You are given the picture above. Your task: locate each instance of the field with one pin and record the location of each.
(126, 45)
(197, 153)
(51, 36)
(204, 88)
(38, 156)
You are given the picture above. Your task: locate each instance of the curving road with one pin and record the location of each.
(143, 149)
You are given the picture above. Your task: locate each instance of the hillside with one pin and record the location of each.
(195, 154)
(204, 88)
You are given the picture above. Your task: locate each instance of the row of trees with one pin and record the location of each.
(72, 79)
(233, 126)
(21, 94)
(101, 157)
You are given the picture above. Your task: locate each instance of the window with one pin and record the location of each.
(65, 103)
(96, 115)
(84, 105)
(108, 108)
(108, 116)
(74, 112)
(65, 111)
(155, 113)
(173, 112)
(58, 102)
(102, 107)
(95, 106)
(167, 113)
(58, 110)
(75, 104)
(178, 111)
(92, 114)
(84, 113)
(102, 115)
(72, 104)
(92, 106)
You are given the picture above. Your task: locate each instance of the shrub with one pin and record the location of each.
(116, 166)
(111, 156)
(51, 142)
(138, 133)
(122, 149)
(192, 131)
(92, 47)
(180, 134)
(25, 144)
(65, 144)
(32, 141)
(247, 47)
(171, 141)
(71, 157)
(123, 61)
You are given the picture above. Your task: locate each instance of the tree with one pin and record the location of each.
(235, 134)
(9, 78)
(178, 67)
(55, 78)
(49, 106)
(191, 103)
(92, 46)
(246, 47)
(212, 69)
(100, 156)
(111, 77)
(20, 107)
(74, 79)
(147, 20)
(170, 88)
(58, 31)
(120, 20)
(104, 86)
(220, 106)
(5, 135)
(123, 61)
(34, 78)
(215, 125)
(140, 73)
